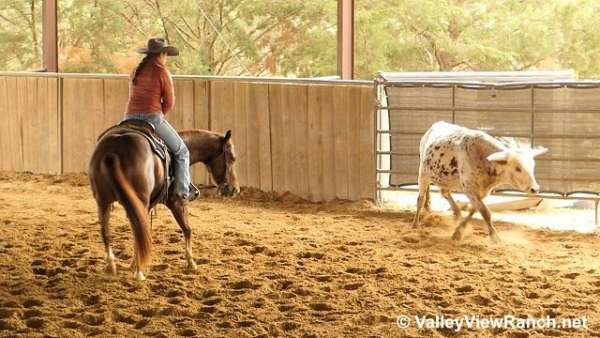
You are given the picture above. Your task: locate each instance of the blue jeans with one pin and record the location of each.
(175, 144)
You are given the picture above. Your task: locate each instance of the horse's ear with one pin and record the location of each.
(227, 136)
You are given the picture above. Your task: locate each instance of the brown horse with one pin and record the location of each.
(124, 168)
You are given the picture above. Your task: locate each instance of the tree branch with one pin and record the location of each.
(162, 19)
(531, 64)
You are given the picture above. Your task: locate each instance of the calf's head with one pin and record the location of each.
(516, 167)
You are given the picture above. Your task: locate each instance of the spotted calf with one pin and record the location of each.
(457, 159)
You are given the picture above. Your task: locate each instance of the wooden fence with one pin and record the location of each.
(313, 138)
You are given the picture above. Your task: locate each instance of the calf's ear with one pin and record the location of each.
(539, 150)
(500, 157)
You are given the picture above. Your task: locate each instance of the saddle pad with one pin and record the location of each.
(142, 128)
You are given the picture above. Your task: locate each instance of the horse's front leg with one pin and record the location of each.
(179, 210)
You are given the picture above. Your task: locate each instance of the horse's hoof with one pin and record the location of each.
(495, 239)
(111, 269)
(192, 267)
(456, 236)
(139, 276)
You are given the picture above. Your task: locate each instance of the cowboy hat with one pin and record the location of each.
(158, 45)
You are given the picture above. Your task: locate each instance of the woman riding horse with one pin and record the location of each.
(151, 98)
(125, 168)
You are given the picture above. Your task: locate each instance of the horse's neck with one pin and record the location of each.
(202, 146)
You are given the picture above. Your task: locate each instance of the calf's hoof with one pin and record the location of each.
(495, 239)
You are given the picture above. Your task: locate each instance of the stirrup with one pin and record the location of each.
(193, 194)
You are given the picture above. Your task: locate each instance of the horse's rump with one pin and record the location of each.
(142, 167)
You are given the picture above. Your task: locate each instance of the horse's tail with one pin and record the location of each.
(134, 207)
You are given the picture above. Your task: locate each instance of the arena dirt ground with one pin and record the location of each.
(277, 266)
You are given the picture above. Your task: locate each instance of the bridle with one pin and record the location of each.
(209, 163)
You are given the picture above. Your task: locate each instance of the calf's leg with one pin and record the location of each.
(460, 229)
(428, 199)
(453, 205)
(477, 204)
(421, 200)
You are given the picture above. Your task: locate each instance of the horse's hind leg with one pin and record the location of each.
(103, 216)
(179, 211)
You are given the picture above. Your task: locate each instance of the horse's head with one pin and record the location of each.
(222, 167)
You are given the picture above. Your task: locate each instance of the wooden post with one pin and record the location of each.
(345, 36)
(50, 35)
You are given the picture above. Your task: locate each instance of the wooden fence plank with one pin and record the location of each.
(4, 137)
(92, 110)
(367, 145)
(240, 130)
(83, 121)
(13, 148)
(28, 122)
(277, 147)
(222, 106)
(182, 116)
(251, 100)
(259, 108)
(288, 111)
(299, 150)
(22, 95)
(202, 104)
(222, 112)
(201, 121)
(315, 142)
(70, 106)
(328, 133)
(55, 125)
(10, 147)
(15, 130)
(116, 93)
(341, 144)
(38, 149)
(354, 112)
(44, 131)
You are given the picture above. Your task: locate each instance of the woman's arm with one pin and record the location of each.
(167, 91)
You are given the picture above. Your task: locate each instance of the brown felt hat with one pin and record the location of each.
(159, 45)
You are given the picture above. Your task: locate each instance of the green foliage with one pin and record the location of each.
(432, 35)
(298, 38)
(20, 34)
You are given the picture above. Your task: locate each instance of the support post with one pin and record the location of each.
(50, 35)
(596, 212)
(345, 36)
